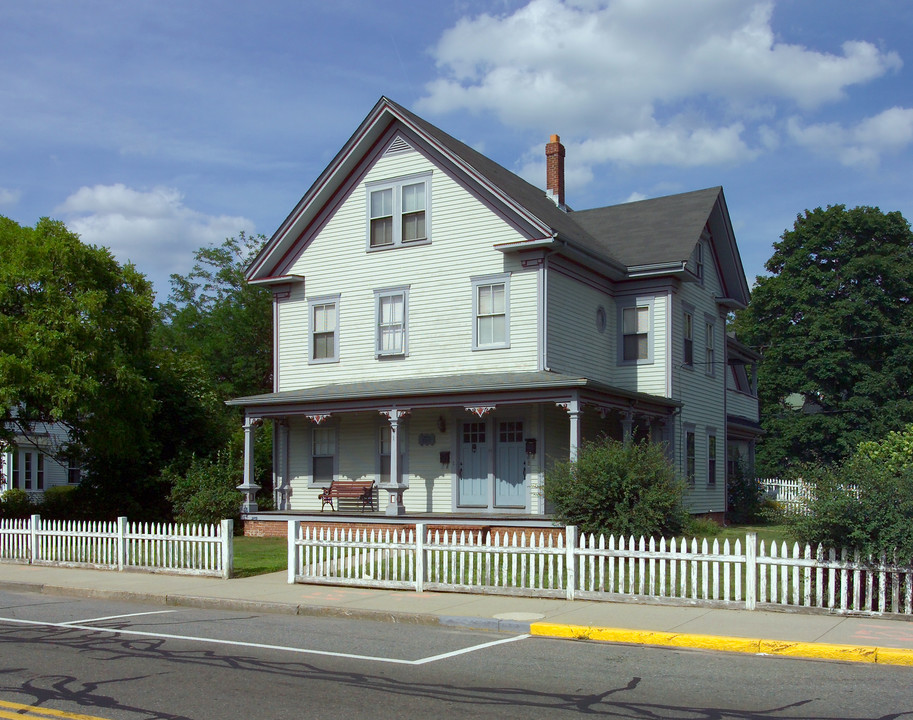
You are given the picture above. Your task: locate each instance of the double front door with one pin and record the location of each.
(492, 466)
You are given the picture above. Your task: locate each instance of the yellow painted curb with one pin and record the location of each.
(894, 656)
(852, 653)
(845, 653)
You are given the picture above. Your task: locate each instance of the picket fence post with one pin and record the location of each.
(570, 551)
(34, 523)
(419, 557)
(751, 570)
(121, 543)
(228, 550)
(293, 530)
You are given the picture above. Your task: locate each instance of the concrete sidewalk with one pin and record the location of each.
(797, 634)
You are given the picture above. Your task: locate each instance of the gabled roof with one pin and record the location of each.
(626, 240)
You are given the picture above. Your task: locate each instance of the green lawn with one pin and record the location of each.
(767, 533)
(256, 556)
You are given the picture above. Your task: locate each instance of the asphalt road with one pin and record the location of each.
(64, 657)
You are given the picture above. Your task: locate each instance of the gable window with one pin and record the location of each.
(688, 346)
(491, 312)
(391, 311)
(324, 330)
(398, 212)
(699, 261)
(636, 345)
(323, 454)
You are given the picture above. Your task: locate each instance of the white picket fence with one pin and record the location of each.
(120, 545)
(791, 494)
(677, 571)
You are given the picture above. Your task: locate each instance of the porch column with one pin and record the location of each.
(573, 411)
(627, 426)
(395, 488)
(281, 487)
(249, 487)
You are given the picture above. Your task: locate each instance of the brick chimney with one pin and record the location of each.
(554, 164)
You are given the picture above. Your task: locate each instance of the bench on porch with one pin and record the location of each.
(360, 490)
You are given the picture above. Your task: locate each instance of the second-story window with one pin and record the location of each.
(635, 323)
(491, 311)
(710, 341)
(391, 308)
(398, 212)
(324, 331)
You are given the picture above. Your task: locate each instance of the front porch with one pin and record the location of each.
(473, 445)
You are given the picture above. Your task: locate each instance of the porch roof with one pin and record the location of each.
(447, 390)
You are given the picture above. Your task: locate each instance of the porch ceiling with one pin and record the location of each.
(451, 391)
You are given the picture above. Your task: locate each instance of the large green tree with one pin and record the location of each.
(214, 315)
(74, 337)
(834, 324)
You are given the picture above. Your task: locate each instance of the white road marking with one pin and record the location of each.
(282, 648)
(117, 617)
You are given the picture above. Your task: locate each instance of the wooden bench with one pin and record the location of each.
(362, 490)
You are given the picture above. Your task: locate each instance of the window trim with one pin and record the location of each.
(690, 455)
(486, 281)
(379, 295)
(397, 185)
(712, 458)
(312, 304)
(687, 312)
(710, 345)
(636, 302)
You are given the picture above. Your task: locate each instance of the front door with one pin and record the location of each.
(473, 483)
(510, 465)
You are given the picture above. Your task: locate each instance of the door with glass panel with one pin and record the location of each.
(473, 487)
(510, 464)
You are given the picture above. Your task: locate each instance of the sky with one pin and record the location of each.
(157, 128)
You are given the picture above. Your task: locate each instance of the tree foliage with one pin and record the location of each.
(834, 324)
(214, 315)
(74, 338)
(618, 488)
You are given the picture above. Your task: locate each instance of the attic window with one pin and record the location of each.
(399, 212)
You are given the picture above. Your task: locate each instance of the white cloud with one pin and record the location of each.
(8, 198)
(627, 75)
(153, 229)
(861, 145)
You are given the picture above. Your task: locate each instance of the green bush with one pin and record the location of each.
(618, 489)
(876, 517)
(16, 503)
(206, 492)
(58, 503)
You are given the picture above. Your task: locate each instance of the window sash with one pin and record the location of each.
(381, 217)
(690, 457)
(689, 339)
(491, 315)
(636, 333)
(323, 331)
(391, 323)
(323, 454)
(711, 459)
(709, 348)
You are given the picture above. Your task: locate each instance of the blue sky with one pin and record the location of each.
(155, 128)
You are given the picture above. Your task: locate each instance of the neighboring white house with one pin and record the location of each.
(31, 462)
(448, 329)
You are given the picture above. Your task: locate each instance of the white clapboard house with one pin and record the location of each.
(449, 330)
(34, 459)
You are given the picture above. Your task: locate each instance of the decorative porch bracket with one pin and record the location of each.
(481, 410)
(249, 487)
(395, 488)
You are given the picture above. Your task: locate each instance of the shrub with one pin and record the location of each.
(206, 492)
(16, 503)
(875, 517)
(58, 503)
(618, 488)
